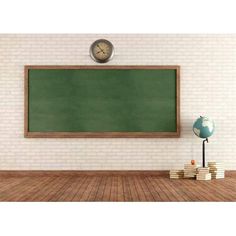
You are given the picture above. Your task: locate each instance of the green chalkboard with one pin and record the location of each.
(110, 101)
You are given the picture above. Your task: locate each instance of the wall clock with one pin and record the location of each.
(101, 50)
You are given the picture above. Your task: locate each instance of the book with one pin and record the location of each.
(209, 164)
(211, 169)
(204, 176)
(189, 176)
(214, 163)
(203, 171)
(221, 171)
(215, 176)
(187, 166)
(203, 168)
(216, 169)
(176, 174)
(218, 173)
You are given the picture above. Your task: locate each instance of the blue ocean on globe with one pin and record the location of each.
(203, 127)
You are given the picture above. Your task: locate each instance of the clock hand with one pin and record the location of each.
(100, 49)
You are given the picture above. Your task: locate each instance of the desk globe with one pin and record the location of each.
(203, 127)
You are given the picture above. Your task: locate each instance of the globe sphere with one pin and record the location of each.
(203, 127)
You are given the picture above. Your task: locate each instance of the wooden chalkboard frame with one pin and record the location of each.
(28, 134)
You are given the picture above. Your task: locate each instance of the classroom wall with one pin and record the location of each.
(208, 87)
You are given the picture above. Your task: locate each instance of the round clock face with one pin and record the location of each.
(101, 50)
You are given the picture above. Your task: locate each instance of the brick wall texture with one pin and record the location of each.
(208, 87)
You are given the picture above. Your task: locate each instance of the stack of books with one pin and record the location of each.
(203, 173)
(190, 171)
(176, 174)
(216, 169)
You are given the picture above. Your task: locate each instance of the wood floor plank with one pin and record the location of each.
(120, 190)
(133, 190)
(140, 192)
(101, 189)
(40, 188)
(220, 191)
(94, 190)
(84, 196)
(153, 191)
(58, 184)
(229, 185)
(6, 183)
(107, 190)
(52, 189)
(178, 193)
(13, 191)
(61, 188)
(185, 190)
(11, 186)
(192, 190)
(72, 189)
(145, 189)
(206, 188)
(154, 182)
(89, 188)
(33, 186)
(82, 189)
(126, 189)
(44, 191)
(169, 194)
(113, 187)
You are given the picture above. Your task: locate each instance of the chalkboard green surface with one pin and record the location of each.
(102, 102)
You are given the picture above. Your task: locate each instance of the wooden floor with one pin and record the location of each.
(112, 186)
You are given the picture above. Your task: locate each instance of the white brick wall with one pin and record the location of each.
(208, 87)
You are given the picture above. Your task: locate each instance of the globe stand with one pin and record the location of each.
(203, 152)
